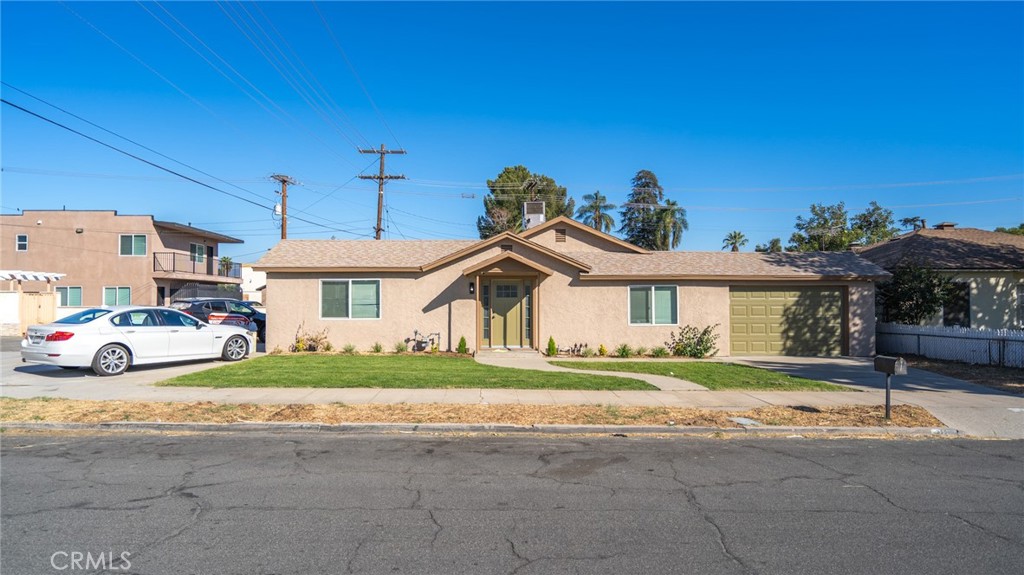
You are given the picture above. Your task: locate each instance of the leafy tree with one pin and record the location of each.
(225, 265)
(831, 229)
(734, 241)
(873, 225)
(671, 225)
(503, 205)
(825, 230)
(914, 223)
(1017, 231)
(773, 246)
(595, 212)
(640, 222)
(914, 294)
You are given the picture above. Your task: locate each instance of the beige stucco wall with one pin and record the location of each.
(860, 319)
(576, 241)
(993, 299)
(90, 259)
(568, 309)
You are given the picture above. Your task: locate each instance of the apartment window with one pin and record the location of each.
(70, 296)
(652, 305)
(117, 296)
(350, 299)
(21, 243)
(957, 312)
(133, 245)
(197, 253)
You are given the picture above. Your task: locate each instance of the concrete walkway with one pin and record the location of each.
(535, 361)
(974, 410)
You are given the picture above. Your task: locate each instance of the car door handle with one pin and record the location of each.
(175, 330)
(130, 331)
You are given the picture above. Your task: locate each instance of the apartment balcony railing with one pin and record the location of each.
(171, 262)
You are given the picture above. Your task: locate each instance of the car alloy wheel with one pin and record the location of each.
(111, 360)
(235, 348)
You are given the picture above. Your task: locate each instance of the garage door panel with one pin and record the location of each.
(786, 321)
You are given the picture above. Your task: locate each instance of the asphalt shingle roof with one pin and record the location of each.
(373, 254)
(950, 249)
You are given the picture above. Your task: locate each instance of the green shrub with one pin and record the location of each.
(552, 348)
(602, 350)
(401, 347)
(349, 349)
(306, 341)
(659, 352)
(377, 347)
(624, 351)
(462, 349)
(640, 351)
(587, 352)
(693, 342)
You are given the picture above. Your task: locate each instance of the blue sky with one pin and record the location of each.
(747, 112)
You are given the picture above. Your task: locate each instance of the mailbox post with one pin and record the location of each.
(890, 366)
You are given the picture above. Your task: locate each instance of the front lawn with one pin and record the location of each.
(391, 371)
(712, 375)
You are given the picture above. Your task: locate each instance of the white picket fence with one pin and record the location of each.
(1003, 347)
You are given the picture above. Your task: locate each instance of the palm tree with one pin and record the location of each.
(671, 225)
(594, 212)
(734, 241)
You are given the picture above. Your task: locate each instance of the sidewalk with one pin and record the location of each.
(974, 410)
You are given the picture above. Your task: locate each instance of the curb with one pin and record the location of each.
(551, 429)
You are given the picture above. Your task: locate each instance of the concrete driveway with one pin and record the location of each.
(973, 409)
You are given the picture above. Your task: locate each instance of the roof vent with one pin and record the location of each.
(533, 214)
(945, 226)
(560, 235)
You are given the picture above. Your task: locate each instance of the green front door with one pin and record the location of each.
(507, 313)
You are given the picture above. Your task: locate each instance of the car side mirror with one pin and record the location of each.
(199, 325)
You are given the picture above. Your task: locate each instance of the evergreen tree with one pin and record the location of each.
(503, 204)
(639, 216)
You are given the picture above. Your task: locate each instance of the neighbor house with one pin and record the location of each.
(987, 269)
(109, 259)
(566, 281)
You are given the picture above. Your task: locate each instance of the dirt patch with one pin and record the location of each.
(81, 411)
(1008, 379)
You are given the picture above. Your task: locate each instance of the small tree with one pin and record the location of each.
(225, 265)
(552, 348)
(463, 348)
(914, 294)
(734, 241)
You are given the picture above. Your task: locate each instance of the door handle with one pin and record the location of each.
(175, 330)
(130, 331)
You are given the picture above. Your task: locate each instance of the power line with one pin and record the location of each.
(115, 134)
(354, 73)
(159, 167)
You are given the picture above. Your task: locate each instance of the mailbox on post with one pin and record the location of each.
(890, 366)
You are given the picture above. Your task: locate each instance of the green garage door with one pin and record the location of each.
(786, 321)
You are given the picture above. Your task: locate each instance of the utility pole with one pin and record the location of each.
(285, 180)
(380, 182)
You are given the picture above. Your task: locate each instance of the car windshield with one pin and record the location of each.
(180, 304)
(84, 316)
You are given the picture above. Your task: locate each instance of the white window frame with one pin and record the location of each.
(105, 288)
(629, 316)
(133, 254)
(21, 243)
(67, 296)
(197, 255)
(380, 299)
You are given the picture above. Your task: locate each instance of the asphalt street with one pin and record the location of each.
(249, 504)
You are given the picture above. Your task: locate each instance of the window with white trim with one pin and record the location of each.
(653, 305)
(21, 243)
(1020, 305)
(197, 253)
(70, 295)
(133, 245)
(350, 299)
(121, 295)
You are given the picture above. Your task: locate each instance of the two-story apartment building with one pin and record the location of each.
(113, 259)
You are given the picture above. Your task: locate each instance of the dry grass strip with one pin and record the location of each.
(82, 411)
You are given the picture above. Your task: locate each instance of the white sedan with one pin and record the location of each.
(110, 339)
